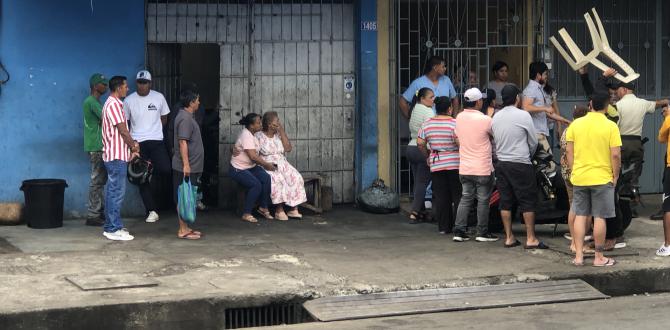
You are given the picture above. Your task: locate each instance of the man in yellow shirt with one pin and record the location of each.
(594, 154)
(663, 137)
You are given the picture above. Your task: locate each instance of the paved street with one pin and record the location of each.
(239, 264)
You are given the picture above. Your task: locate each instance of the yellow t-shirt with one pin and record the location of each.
(592, 136)
(663, 138)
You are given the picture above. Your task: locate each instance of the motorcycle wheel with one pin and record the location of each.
(626, 213)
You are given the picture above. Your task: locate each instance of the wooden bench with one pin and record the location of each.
(313, 183)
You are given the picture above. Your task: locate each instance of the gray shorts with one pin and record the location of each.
(597, 201)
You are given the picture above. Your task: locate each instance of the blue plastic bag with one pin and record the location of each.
(187, 195)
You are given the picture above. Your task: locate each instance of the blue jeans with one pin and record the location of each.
(479, 186)
(257, 182)
(114, 192)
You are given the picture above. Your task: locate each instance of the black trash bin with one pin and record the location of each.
(44, 202)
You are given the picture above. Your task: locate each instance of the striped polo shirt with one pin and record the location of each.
(441, 139)
(113, 146)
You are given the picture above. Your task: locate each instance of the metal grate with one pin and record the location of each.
(631, 30)
(271, 315)
(469, 34)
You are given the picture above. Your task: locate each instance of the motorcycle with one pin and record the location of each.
(553, 204)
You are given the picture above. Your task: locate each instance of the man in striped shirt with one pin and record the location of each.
(117, 147)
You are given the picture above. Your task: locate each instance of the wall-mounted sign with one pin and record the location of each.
(349, 84)
(368, 25)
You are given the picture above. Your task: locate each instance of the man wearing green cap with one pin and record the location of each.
(93, 145)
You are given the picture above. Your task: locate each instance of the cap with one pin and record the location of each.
(97, 78)
(627, 85)
(473, 94)
(143, 75)
(509, 94)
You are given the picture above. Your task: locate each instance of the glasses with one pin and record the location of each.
(143, 82)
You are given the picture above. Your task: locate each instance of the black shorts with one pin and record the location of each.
(666, 189)
(178, 177)
(517, 186)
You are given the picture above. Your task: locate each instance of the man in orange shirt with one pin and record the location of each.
(663, 137)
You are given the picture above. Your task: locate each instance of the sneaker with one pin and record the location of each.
(153, 217)
(119, 235)
(663, 251)
(486, 238)
(461, 238)
(620, 243)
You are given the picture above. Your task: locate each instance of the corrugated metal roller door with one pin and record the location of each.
(285, 56)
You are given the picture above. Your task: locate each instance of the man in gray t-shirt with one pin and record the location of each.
(516, 141)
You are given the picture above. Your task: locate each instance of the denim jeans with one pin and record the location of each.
(257, 182)
(114, 192)
(474, 186)
(96, 185)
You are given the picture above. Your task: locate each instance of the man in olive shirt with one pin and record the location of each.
(93, 145)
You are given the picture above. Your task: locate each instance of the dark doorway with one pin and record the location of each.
(179, 66)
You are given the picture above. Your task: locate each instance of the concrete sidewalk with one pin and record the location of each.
(238, 264)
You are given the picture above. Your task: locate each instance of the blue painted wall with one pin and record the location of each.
(51, 48)
(366, 133)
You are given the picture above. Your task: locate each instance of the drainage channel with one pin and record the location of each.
(264, 316)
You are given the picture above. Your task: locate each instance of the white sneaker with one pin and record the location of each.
(153, 217)
(119, 235)
(663, 251)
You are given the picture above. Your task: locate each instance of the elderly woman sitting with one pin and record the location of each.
(245, 169)
(287, 184)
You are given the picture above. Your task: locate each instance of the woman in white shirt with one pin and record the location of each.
(422, 109)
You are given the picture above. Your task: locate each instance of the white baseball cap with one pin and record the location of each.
(143, 75)
(473, 94)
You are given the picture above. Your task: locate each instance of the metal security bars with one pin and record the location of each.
(630, 27)
(470, 34)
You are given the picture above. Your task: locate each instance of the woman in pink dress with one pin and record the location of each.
(287, 184)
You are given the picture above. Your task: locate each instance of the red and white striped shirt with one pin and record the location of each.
(113, 146)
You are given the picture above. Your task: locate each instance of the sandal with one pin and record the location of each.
(578, 264)
(249, 218)
(266, 214)
(294, 214)
(191, 235)
(414, 218)
(516, 243)
(610, 262)
(539, 246)
(281, 216)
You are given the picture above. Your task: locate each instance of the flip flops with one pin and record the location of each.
(191, 235)
(516, 243)
(610, 262)
(539, 246)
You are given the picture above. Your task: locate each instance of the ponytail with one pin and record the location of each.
(249, 119)
(421, 93)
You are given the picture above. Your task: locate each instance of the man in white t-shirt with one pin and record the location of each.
(147, 111)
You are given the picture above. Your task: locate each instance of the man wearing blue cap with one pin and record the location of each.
(93, 146)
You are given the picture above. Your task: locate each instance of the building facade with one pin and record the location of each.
(332, 69)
